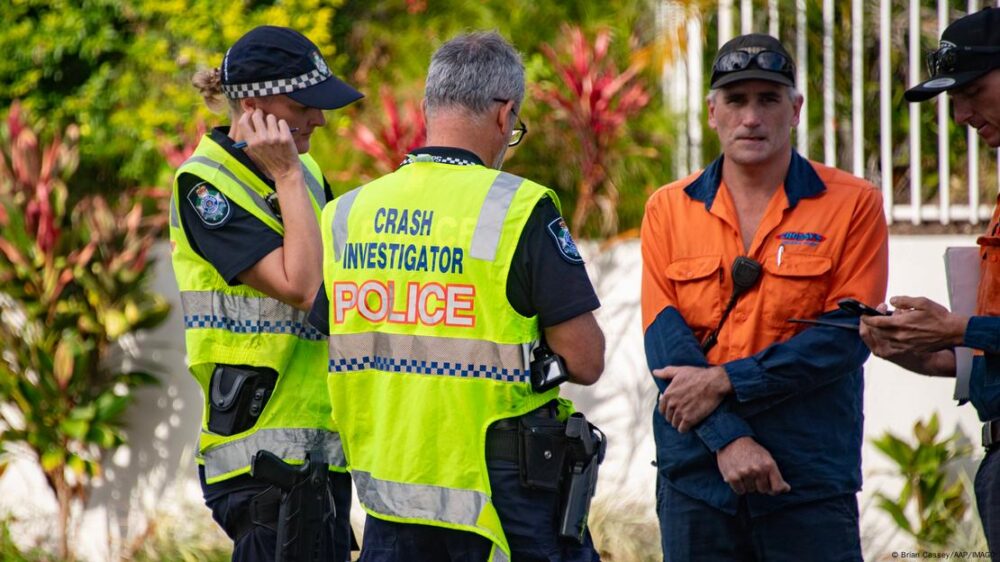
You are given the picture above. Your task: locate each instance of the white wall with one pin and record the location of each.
(157, 472)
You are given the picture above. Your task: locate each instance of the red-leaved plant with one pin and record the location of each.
(400, 130)
(594, 100)
(73, 281)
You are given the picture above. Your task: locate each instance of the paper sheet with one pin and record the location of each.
(962, 270)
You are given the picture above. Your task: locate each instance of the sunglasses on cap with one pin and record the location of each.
(951, 58)
(764, 60)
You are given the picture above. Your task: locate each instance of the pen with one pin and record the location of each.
(243, 144)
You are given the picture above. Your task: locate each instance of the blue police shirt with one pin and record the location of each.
(242, 240)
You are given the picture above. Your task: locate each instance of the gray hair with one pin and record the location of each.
(793, 94)
(471, 71)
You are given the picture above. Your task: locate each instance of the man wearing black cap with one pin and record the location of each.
(758, 427)
(921, 335)
(244, 225)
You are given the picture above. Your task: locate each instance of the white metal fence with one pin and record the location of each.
(960, 195)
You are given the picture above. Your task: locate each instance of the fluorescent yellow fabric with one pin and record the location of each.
(241, 326)
(426, 349)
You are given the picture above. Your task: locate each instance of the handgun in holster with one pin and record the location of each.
(305, 504)
(585, 453)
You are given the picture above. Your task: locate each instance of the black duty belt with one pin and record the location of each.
(503, 437)
(991, 434)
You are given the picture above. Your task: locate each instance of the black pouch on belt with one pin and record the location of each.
(237, 396)
(543, 452)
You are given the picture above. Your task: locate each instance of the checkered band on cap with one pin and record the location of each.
(274, 87)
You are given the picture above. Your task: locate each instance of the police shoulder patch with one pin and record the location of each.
(211, 205)
(564, 241)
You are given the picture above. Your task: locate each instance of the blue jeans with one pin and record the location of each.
(820, 531)
(988, 498)
(529, 519)
(229, 499)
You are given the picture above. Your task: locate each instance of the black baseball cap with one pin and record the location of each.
(739, 59)
(970, 48)
(271, 60)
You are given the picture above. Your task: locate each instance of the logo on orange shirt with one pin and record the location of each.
(806, 238)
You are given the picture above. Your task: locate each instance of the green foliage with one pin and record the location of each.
(122, 70)
(75, 280)
(938, 501)
(176, 542)
(10, 552)
(388, 45)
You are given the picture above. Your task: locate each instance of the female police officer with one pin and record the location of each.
(247, 255)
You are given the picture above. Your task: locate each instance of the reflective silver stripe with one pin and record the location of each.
(428, 355)
(340, 216)
(315, 187)
(245, 315)
(257, 199)
(175, 220)
(419, 501)
(486, 237)
(499, 555)
(283, 442)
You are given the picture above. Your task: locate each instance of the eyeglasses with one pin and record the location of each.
(764, 60)
(951, 58)
(519, 131)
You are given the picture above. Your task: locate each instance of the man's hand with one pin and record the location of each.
(935, 364)
(693, 394)
(749, 469)
(918, 326)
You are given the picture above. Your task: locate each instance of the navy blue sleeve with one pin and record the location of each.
(319, 314)
(231, 247)
(670, 342)
(983, 332)
(812, 358)
(543, 282)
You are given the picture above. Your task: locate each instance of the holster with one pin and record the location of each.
(306, 505)
(586, 445)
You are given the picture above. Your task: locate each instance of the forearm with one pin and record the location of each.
(812, 358)
(670, 342)
(302, 261)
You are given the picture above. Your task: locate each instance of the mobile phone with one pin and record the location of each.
(858, 308)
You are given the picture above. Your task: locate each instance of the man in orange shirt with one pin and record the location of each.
(759, 425)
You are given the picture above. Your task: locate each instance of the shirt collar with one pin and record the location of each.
(443, 155)
(801, 182)
(220, 136)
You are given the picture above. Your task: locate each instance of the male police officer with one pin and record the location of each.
(921, 335)
(248, 260)
(439, 278)
(758, 432)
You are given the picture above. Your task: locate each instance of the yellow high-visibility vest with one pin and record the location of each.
(238, 325)
(426, 350)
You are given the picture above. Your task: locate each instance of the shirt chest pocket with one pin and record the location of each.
(795, 287)
(698, 284)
